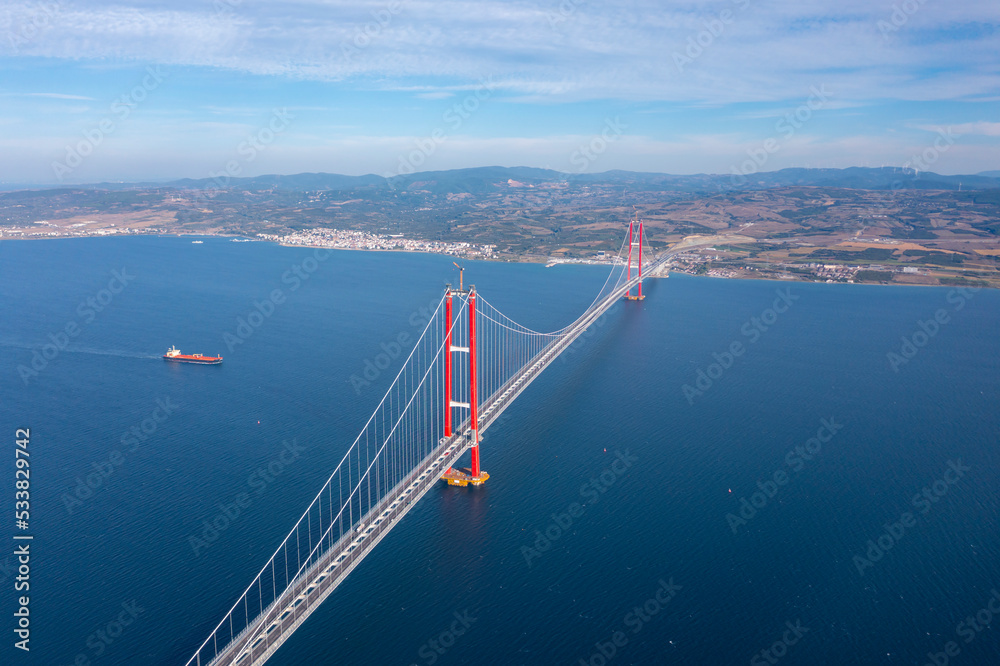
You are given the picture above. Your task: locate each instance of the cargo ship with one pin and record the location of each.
(174, 354)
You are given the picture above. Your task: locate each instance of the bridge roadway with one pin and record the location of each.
(264, 635)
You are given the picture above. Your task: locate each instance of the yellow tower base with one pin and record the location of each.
(463, 477)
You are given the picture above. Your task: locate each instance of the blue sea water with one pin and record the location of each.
(646, 560)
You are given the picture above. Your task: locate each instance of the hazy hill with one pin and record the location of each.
(488, 179)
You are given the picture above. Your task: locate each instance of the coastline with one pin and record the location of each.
(683, 245)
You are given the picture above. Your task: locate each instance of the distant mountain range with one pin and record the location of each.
(489, 179)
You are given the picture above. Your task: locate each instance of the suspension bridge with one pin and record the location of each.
(470, 363)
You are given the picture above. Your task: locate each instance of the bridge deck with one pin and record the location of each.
(263, 636)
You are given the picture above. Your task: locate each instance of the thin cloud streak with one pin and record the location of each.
(624, 52)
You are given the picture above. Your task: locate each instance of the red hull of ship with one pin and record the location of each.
(204, 360)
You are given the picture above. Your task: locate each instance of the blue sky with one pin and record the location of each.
(93, 91)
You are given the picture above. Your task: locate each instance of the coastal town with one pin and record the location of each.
(344, 239)
(341, 239)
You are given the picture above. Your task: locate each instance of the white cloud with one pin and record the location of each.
(626, 50)
(59, 96)
(619, 57)
(983, 128)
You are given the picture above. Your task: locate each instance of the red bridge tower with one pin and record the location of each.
(635, 228)
(474, 474)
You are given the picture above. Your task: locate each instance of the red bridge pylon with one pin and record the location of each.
(474, 475)
(635, 227)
